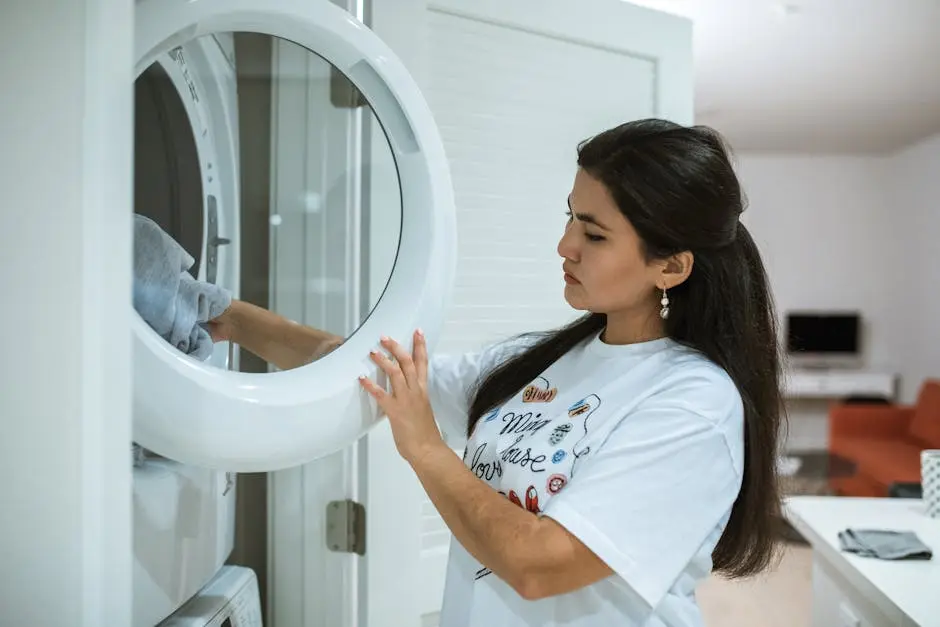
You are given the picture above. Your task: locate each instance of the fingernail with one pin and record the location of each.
(384, 338)
(420, 333)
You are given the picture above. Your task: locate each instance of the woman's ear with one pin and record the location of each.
(677, 268)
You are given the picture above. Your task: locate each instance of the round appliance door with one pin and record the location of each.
(358, 236)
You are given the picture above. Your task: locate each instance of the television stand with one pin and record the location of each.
(818, 367)
(834, 383)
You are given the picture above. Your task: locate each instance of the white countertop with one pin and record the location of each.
(912, 586)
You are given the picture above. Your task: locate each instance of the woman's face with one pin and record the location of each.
(605, 270)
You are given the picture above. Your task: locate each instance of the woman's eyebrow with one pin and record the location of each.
(586, 217)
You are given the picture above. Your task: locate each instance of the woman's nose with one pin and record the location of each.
(567, 247)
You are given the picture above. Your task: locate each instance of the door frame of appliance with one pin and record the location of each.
(195, 414)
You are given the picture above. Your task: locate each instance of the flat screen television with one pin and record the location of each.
(824, 338)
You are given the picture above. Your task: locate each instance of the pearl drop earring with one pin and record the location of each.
(664, 301)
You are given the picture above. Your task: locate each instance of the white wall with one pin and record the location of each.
(65, 273)
(821, 225)
(915, 204)
(850, 232)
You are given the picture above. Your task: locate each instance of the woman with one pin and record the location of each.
(613, 463)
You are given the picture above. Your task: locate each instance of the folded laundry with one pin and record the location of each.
(884, 544)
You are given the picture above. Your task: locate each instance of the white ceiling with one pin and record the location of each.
(815, 75)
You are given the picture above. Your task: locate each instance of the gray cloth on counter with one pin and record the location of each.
(884, 544)
(167, 297)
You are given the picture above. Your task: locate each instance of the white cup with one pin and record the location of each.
(930, 481)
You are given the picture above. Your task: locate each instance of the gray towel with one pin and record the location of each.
(167, 297)
(884, 544)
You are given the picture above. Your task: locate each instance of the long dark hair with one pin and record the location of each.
(677, 187)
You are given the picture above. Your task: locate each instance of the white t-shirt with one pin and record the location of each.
(637, 450)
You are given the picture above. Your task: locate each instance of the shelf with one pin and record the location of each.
(830, 384)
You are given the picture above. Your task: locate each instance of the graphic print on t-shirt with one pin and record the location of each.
(581, 413)
(531, 499)
(559, 433)
(556, 483)
(527, 450)
(534, 393)
(490, 417)
(479, 464)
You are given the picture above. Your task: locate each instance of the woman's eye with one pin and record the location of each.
(589, 236)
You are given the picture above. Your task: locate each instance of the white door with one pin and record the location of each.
(513, 86)
(332, 153)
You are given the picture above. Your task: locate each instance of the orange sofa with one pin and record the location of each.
(883, 441)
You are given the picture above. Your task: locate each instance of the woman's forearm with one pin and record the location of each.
(507, 540)
(274, 338)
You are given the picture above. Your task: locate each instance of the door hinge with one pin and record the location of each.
(346, 527)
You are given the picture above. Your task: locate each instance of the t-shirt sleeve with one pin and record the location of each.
(450, 378)
(650, 496)
(450, 382)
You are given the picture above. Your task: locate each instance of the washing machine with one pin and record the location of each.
(197, 423)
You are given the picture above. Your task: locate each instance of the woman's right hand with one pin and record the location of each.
(222, 328)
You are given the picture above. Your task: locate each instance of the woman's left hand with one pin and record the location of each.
(406, 405)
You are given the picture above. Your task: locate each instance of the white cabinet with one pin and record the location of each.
(838, 384)
(854, 591)
(837, 603)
